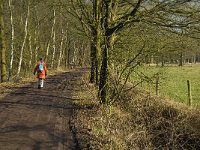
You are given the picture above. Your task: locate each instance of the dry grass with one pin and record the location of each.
(17, 82)
(138, 121)
(167, 124)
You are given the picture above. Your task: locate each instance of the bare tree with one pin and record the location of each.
(12, 41)
(91, 22)
(61, 50)
(54, 38)
(24, 41)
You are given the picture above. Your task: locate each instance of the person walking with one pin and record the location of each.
(41, 70)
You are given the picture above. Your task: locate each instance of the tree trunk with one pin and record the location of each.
(68, 56)
(81, 55)
(96, 44)
(95, 60)
(51, 36)
(12, 42)
(108, 46)
(31, 53)
(68, 53)
(2, 45)
(74, 59)
(181, 59)
(103, 85)
(66, 49)
(92, 59)
(23, 44)
(54, 39)
(61, 49)
(162, 60)
(97, 53)
(36, 45)
(47, 52)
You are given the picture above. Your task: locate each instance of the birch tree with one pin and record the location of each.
(61, 49)
(48, 43)
(54, 38)
(61, 41)
(24, 41)
(12, 41)
(31, 52)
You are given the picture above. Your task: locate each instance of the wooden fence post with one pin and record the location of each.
(189, 93)
(157, 83)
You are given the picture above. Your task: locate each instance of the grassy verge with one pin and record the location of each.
(138, 121)
(173, 81)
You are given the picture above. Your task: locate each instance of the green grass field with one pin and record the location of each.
(173, 81)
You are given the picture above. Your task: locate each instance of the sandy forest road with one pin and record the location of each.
(37, 119)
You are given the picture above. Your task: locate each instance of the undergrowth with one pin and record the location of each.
(137, 121)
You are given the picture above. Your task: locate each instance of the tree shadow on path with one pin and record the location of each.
(35, 119)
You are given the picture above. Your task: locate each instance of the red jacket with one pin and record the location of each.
(41, 74)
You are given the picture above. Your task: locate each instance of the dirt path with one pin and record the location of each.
(38, 119)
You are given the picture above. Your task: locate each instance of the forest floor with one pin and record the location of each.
(36, 119)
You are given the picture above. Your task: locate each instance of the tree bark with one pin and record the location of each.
(54, 39)
(47, 51)
(48, 44)
(24, 42)
(66, 47)
(2, 45)
(96, 43)
(92, 59)
(103, 83)
(74, 58)
(12, 41)
(61, 50)
(31, 53)
(181, 59)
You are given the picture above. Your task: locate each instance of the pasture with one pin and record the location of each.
(171, 81)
